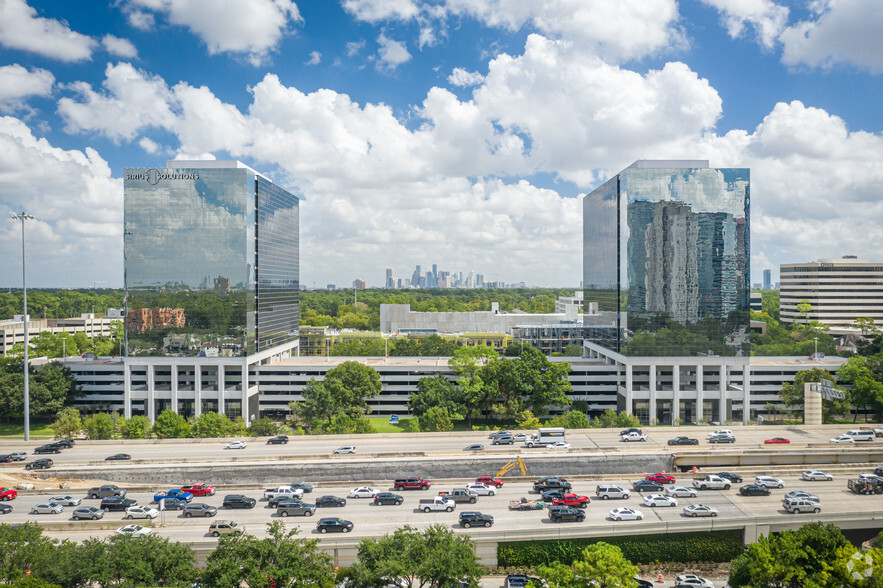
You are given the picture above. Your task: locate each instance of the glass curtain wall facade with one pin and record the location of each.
(666, 247)
(211, 262)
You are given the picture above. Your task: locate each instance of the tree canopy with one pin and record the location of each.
(601, 565)
(792, 394)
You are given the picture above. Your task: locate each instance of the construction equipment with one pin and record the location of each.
(518, 462)
(865, 486)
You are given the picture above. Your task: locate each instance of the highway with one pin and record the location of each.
(596, 440)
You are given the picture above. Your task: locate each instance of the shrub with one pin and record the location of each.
(714, 546)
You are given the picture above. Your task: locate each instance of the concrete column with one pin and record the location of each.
(197, 389)
(700, 395)
(746, 387)
(174, 386)
(812, 404)
(676, 393)
(245, 414)
(629, 396)
(723, 399)
(652, 392)
(151, 392)
(221, 385)
(127, 390)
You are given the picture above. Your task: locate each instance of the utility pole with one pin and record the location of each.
(24, 287)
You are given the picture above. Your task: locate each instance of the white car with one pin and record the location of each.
(363, 492)
(871, 477)
(693, 581)
(813, 475)
(141, 512)
(700, 510)
(521, 437)
(769, 482)
(481, 489)
(681, 492)
(559, 445)
(842, 439)
(727, 432)
(659, 500)
(66, 500)
(134, 531)
(626, 514)
(234, 445)
(347, 449)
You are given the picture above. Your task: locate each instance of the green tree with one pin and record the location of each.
(213, 424)
(610, 419)
(434, 557)
(867, 326)
(513, 350)
(436, 391)
(437, 346)
(24, 547)
(282, 557)
(67, 423)
(571, 419)
(264, 427)
(804, 308)
(547, 383)
(792, 394)
(170, 425)
(405, 348)
(866, 390)
(319, 400)
(527, 421)
(436, 418)
(803, 558)
(769, 303)
(601, 566)
(143, 561)
(476, 397)
(136, 427)
(374, 347)
(573, 350)
(99, 426)
(50, 386)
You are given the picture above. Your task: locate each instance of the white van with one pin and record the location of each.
(861, 434)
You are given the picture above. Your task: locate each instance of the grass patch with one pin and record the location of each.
(18, 430)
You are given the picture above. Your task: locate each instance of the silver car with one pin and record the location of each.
(199, 509)
(66, 500)
(681, 492)
(47, 508)
(346, 449)
(87, 512)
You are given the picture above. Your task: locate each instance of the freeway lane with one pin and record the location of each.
(373, 520)
(595, 440)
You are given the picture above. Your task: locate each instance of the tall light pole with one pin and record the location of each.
(24, 287)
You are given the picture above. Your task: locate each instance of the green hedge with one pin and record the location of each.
(714, 546)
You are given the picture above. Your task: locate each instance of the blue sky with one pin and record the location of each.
(456, 132)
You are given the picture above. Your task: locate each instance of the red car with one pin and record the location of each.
(661, 478)
(572, 500)
(7, 494)
(199, 489)
(490, 481)
(777, 440)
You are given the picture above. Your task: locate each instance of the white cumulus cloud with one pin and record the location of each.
(379, 10)
(18, 83)
(21, 28)
(767, 18)
(315, 58)
(461, 77)
(391, 53)
(251, 28)
(119, 47)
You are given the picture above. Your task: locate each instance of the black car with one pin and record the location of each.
(754, 490)
(5, 509)
(277, 500)
(471, 518)
(878, 471)
(735, 479)
(64, 443)
(50, 448)
(39, 464)
(566, 514)
(118, 457)
(627, 431)
(550, 495)
(335, 524)
(330, 501)
(647, 486)
(115, 503)
(6, 458)
(643, 583)
(238, 501)
(516, 581)
(683, 441)
(388, 498)
(173, 504)
(307, 488)
(551, 484)
(278, 440)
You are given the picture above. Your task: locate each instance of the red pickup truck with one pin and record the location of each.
(412, 483)
(572, 500)
(199, 489)
(7, 494)
(490, 481)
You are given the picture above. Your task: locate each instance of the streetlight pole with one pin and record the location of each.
(24, 287)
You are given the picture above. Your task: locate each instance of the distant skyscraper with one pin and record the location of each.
(767, 279)
(667, 241)
(390, 282)
(360, 284)
(416, 278)
(435, 275)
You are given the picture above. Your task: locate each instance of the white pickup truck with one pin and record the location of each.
(283, 492)
(712, 483)
(437, 503)
(634, 436)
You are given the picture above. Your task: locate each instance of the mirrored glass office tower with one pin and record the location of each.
(211, 261)
(666, 247)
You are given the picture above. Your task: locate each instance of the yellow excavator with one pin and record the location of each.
(518, 462)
